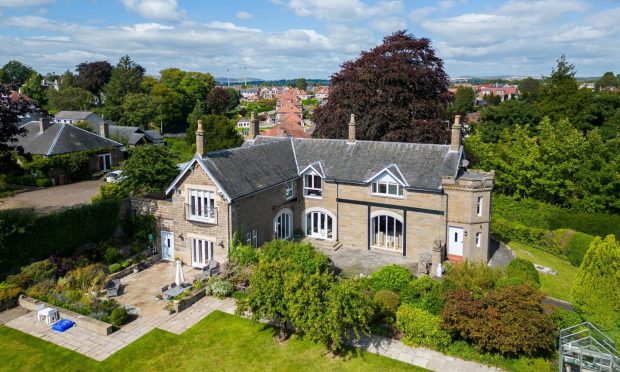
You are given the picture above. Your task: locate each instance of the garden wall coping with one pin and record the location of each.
(86, 322)
(129, 270)
(188, 301)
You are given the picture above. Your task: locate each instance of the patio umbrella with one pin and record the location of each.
(178, 278)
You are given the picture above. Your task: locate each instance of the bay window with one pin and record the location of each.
(313, 187)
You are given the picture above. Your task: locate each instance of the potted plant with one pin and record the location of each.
(298, 233)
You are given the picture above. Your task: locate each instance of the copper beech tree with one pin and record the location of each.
(398, 91)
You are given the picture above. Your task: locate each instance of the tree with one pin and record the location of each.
(138, 110)
(220, 133)
(149, 169)
(126, 78)
(169, 104)
(9, 116)
(83, 124)
(33, 89)
(494, 119)
(217, 101)
(529, 88)
(67, 80)
(595, 293)
(16, 73)
(607, 80)
(301, 84)
(92, 76)
(192, 121)
(398, 92)
(234, 98)
(464, 100)
(196, 85)
(171, 77)
(72, 99)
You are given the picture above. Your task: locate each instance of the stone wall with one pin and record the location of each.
(129, 270)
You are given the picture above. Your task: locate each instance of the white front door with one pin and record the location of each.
(202, 252)
(455, 242)
(167, 245)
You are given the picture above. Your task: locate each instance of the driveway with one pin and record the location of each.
(53, 198)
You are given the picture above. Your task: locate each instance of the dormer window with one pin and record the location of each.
(386, 188)
(313, 185)
(388, 182)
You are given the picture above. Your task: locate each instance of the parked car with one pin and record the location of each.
(115, 176)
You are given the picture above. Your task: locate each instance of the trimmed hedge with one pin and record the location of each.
(421, 328)
(578, 246)
(524, 270)
(26, 236)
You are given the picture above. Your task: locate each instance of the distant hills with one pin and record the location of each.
(257, 81)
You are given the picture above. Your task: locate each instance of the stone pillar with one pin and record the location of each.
(455, 143)
(352, 127)
(200, 139)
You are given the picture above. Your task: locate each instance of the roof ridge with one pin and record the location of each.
(368, 141)
(49, 151)
(245, 147)
(92, 133)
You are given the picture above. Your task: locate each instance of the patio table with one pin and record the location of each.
(50, 315)
(173, 292)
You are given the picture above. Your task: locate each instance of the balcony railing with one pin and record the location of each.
(208, 215)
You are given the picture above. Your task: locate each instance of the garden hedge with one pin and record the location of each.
(26, 236)
(392, 277)
(421, 328)
(524, 270)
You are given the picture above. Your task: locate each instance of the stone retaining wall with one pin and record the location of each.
(129, 270)
(80, 320)
(188, 301)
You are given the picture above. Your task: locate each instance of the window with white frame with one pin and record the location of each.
(290, 189)
(387, 232)
(283, 224)
(202, 252)
(251, 238)
(313, 185)
(479, 206)
(387, 186)
(478, 239)
(201, 206)
(105, 162)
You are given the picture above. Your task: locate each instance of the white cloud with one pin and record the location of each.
(155, 9)
(343, 10)
(421, 14)
(22, 3)
(244, 15)
(388, 24)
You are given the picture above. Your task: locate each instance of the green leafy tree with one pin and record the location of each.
(217, 101)
(192, 121)
(16, 73)
(67, 80)
(169, 104)
(83, 124)
(528, 88)
(301, 84)
(171, 77)
(149, 169)
(125, 79)
(138, 110)
(607, 80)
(464, 100)
(595, 292)
(196, 85)
(495, 119)
(234, 98)
(72, 99)
(33, 89)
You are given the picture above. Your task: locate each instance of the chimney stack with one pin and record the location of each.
(352, 127)
(455, 143)
(254, 127)
(104, 129)
(200, 139)
(44, 123)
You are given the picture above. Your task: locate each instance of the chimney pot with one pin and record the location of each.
(352, 127)
(44, 123)
(200, 139)
(455, 143)
(104, 129)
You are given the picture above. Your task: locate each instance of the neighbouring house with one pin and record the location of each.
(321, 93)
(71, 117)
(50, 139)
(505, 91)
(416, 201)
(243, 123)
(287, 128)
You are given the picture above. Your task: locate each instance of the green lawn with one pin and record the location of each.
(558, 286)
(219, 342)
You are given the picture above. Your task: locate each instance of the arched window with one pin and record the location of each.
(319, 223)
(283, 224)
(387, 231)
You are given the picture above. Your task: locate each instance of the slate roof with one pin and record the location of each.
(73, 115)
(268, 161)
(61, 139)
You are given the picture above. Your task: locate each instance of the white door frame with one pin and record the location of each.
(321, 226)
(201, 249)
(167, 245)
(455, 241)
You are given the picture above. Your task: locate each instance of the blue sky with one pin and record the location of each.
(309, 38)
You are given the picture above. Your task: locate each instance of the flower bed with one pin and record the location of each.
(140, 265)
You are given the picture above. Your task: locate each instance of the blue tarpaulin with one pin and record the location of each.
(62, 325)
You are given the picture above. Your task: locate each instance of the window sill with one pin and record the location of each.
(202, 220)
(313, 196)
(387, 196)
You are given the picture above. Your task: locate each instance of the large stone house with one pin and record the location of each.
(399, 199)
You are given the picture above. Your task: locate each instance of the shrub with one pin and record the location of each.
(33, 273)
(303, 255)
(27, 180)
(564, 318)
(420, 328)
(595, 294)
(510, 321)
(577, 247)
(41, 289)
(110, 191)
(8, 292)
(424, 293)
(86, 278)
(244, 255)
(386, 303)
(475, 277)
(111, 254)
(392, 277)
(118, 316)
(43, 182)
(524, 270)
(138, 228)
(219, 287)
(115, 268)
